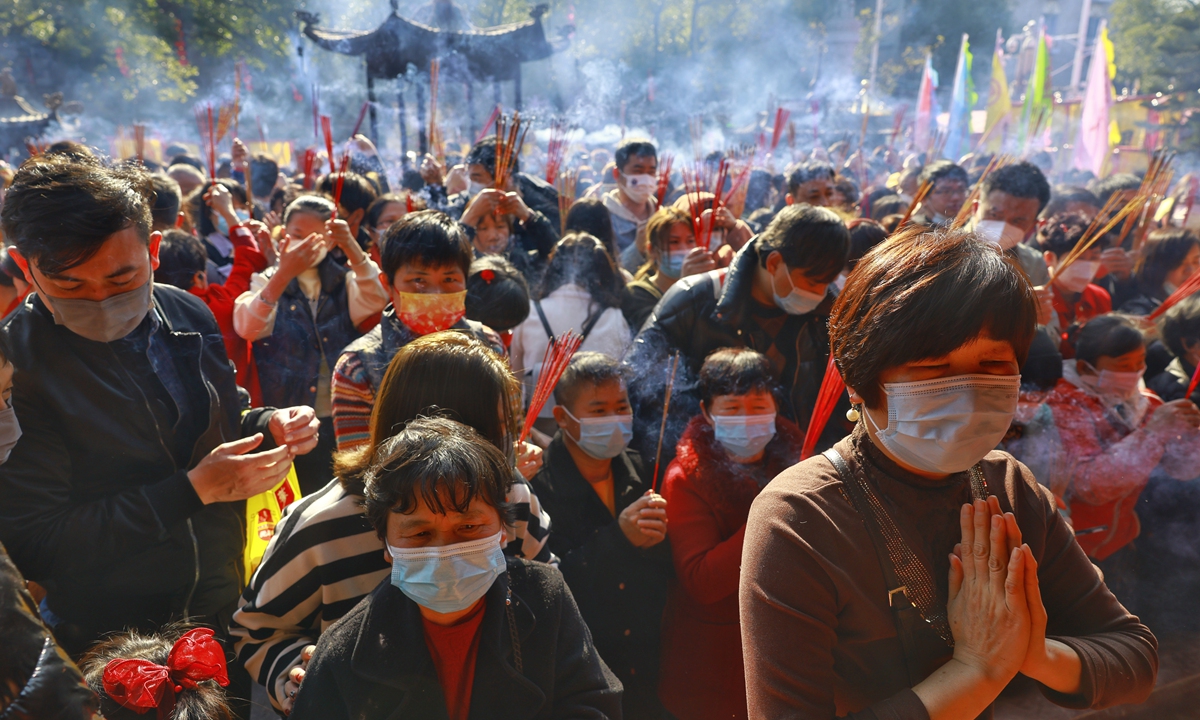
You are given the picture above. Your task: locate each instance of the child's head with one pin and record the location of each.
(182, 261)
(492, 234)
(497, 295)
(178, 672)
(437, 482)
(426, 252)
(593, 407)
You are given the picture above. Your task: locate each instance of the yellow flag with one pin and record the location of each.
(999, 106)
(1114, 132)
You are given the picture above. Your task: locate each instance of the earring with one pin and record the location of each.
(853, 415)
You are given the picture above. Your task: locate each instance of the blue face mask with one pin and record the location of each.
(744, 436)
(10, 432)
(223, 225)
(796, 302)
(672, 264)
(449, 578)
(603, 437)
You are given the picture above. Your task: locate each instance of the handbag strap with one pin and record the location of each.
(518, 662)
(537, 305)
(906, 576)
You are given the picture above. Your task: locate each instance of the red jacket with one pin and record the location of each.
(708, 501)
(1107, 473)
(247, 260)
(1093, 301)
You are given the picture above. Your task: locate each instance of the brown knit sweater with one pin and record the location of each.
(818, 636)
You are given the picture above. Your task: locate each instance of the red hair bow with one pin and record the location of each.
(488, 276)
(141, 685)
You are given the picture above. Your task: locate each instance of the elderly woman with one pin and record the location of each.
(910, 571)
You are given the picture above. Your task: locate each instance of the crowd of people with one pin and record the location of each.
(1002, 489)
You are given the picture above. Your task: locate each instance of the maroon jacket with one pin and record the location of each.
(708, 501)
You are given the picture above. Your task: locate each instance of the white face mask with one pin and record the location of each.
(947, 425)
(1000, 233)
(474, 188)
(797, 301)
(640, 188)
(1116, 384)
(1078, 274)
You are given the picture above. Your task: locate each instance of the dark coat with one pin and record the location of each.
(374, 663)
(96, 508)
(701, 314)
(621, 589)
(289, 359)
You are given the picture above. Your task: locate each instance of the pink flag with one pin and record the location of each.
(1092, 145)
(926, 106)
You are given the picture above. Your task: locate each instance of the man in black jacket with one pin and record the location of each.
(125, 495)
(774, 298)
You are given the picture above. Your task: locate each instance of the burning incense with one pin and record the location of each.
(556, 150)
(337, 186)
(662, 429)
(1186, 289)
(316, 109)
(435, 133)
(1192, 385)
(327, 129)
(827, 397)
(362, 114)
(664, 178)
(919, 198)
(139, 142)
(964, 213)
(510, 137)
(488, 125)
(567, 185)
(1086, 241)
(781, 119)
(310, 159)
(558, 355)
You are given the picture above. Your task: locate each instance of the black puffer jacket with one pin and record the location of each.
(95, 507)
(374, 664)
(701, 314)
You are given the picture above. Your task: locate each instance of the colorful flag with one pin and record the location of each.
(962, 99)
(1093, 145)
(927, 109)
(999, 106)
(1038, 101)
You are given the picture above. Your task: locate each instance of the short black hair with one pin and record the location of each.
(942, 170)
(807, 172)
(497, 294)
(1020, 180)
(484, 153)
(587, 368)
(1105, 187)
(922, 295)
(193, 161)
(888, 205)
(1109, 335)
(864, 235)
(59, 210)
(631, 148)
(1064, 195)
(180, 256)
(264, 173)
(812, 239)
(438, 461)
(1061, 233)
(1181, 322)
(357, 192)
(167, 199)
(848, 188)
(429, 238)
(735, 371)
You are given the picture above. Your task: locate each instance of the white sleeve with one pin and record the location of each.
(365, 294)
(253, 319)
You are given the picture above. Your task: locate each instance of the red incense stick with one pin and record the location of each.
(327, 129)
(1189, 286)
(827, 397)
(1193, 383)
(559, 352)
(362, 114)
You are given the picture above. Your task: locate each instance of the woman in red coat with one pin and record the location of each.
(728, 453)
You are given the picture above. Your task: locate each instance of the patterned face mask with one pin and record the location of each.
(426, 313)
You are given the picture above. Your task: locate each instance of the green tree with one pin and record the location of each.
(1158, 43)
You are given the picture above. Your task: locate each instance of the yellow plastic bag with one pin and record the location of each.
(263, 511)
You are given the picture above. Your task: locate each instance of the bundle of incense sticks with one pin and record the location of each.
(662, 429)
(310, 159)
(139, 142)
(337, 186)
(897, 123)
(664, 177)
(558, 355)
(362, 114)
(1153, 189)
(556, 150)
(435, 133)
(781, 119)
(488, 125)
(692, 188)
(919, 198)
(831, 390)
(208, 138)
(225, 115)
(567, 184)
(327, 130)
(1186, 289)
(510, 138)
(964, 213)
(1091, 235)
(718, 189)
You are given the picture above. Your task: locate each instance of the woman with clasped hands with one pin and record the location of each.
(912, 571)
